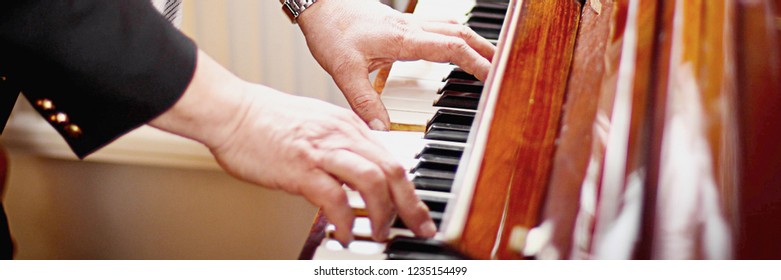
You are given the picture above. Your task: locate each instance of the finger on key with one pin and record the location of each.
(442, 48)
(477, 42)
(327, 193)
(370, 181)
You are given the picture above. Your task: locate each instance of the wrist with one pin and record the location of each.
(322, 17)
(210, 108)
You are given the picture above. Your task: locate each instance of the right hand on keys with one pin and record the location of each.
(300, 145)
(351, 38)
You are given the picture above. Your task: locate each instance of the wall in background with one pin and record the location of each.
(63, 209)
(255, 40)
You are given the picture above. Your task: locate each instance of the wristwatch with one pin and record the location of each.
(294, 8)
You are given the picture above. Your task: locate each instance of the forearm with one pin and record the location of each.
(211, 107)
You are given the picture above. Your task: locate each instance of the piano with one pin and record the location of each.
(607, 129)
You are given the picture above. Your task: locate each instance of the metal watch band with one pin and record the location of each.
(296, 7)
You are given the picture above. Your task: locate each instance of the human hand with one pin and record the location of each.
(300, 145)
(351, 38)
(308, 147)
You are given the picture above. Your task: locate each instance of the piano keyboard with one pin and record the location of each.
(440, 100)
(416, 90)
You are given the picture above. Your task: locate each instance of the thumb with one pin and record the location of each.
(363, 99)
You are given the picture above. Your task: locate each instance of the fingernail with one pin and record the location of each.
(377, 124)
(428, 229)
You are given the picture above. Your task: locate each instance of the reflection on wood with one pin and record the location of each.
(621, 185)
(694, 152)
(573, 151)
(517, 160)
(759, 86)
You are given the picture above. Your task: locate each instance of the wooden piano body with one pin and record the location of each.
(619, 129)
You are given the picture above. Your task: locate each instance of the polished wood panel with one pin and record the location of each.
(516, 165)
(572, 155)
(658, 89)
(778, 17)
(624, 122)
(586, 204)
(691, 206)
(759, 85)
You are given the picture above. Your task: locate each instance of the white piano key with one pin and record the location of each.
(354, 200)
(402, 145)
(424, 94)
(361, 227)
(407, 82)
(424, 194)
(438, 8)
(330, 249)
(409, 118)
(412, 105)
(362, 230)
(419, 69)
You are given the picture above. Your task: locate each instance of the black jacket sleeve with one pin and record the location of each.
(95, 69)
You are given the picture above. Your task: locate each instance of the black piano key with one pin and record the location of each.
(468, 95)
(449, 126)
(447, 132)
(438, 130)
(432, 184)
(434, 174)
(491, 6)
(485, 26)
(435, 216)
(441, 150)
(403, 243)
(486, 30)
(486, 17)
(462, 85)
(432, 158)
(436, 207)
(413, 256)
(459, 73)
(452, 117)
(412, 248)
(435, 204)
(492, 35)
(435, 166)
(459, 100)
(447, 135)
